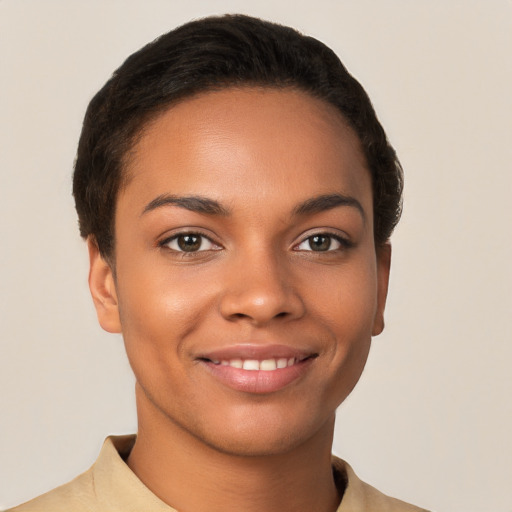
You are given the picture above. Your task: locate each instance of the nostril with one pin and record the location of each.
(242, 316)
(260, 304)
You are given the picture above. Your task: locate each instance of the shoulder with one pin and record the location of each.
(362, 497)
(77, 495)
(109, 485)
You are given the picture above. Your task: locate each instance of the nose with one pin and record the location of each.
(260, 289)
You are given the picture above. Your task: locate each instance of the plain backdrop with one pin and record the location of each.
(431, 420)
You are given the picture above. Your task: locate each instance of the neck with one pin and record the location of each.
(190, 475)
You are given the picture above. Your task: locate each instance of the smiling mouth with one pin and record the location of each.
(266, 365)
(265, 375)
(256, 368)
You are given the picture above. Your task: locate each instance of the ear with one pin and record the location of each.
(103, 290)
(383, 266)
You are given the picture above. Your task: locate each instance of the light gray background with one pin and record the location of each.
(431, 420)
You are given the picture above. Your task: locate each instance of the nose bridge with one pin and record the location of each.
(260, 287)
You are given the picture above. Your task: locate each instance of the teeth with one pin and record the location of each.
(251, 364)
(267, 365)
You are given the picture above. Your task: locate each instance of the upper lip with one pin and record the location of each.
(256, 351)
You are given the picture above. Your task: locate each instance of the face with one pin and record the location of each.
(247, 282)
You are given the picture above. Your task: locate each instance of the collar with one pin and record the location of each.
(118, 489)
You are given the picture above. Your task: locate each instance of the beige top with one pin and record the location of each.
(110, 486)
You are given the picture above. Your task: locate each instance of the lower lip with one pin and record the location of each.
(258, 381)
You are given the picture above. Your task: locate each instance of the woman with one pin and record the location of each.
(237, 194)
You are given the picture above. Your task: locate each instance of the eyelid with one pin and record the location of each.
(341, 238)
(164, 242)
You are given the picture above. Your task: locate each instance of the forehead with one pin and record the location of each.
(247, 140)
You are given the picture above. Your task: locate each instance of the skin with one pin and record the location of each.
(260, 154)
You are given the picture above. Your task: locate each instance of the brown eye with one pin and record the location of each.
(190, 242)
(323, 242)
(319, 242)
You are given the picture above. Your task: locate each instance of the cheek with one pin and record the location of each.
(157, 313)
(346, 305)
(347, 299)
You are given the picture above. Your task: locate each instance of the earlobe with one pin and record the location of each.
(383, 267)
(103, 290)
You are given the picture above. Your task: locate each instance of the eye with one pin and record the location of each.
(322, 242)
(189, 242)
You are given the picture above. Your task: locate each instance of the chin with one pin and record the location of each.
(259, 435)
(256, 444)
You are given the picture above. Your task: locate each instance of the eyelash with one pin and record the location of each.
(343, 242)
(174, 238)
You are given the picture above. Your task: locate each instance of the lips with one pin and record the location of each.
(254, 365)
(257, 368)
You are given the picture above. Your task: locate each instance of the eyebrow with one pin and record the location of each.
(209, 206)
(197, 204)
(326, 202)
